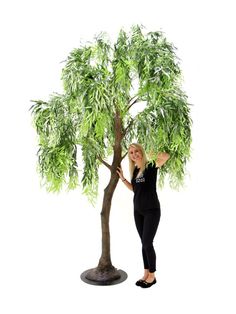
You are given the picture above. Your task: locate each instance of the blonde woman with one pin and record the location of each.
(147, 210)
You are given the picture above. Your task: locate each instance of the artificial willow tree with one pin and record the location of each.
(102, 82)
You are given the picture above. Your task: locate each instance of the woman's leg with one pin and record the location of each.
(150, 225)
(139, 222)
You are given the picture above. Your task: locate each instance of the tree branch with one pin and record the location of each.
(136, 100)
(128, 126)
(130, 123)
(124, 155)
(132, 98)
(104, 163)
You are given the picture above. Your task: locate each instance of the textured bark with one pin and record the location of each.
(105, 271)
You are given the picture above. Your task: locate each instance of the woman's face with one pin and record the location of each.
(135, 154)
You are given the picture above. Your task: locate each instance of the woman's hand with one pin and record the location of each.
(162, 158)
(120, 173)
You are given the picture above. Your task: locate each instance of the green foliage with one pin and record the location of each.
(57, 147)
(101, 79)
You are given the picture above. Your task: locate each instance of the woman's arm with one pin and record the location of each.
(162, 159)
(127, 183)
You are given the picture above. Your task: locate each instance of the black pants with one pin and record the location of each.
(146, 224)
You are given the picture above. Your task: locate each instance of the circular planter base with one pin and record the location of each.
(123, 277)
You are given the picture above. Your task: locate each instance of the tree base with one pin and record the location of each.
(97, 277)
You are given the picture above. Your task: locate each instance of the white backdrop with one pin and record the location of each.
(47, 240)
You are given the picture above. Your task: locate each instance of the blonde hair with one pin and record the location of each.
(132, 163)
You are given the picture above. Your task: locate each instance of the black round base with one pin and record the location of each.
(123, 277)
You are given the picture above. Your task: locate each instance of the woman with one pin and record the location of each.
(146, 205)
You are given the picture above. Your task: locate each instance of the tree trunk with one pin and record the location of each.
(105, 271)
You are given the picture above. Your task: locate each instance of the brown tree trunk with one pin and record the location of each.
(105, 271)
(105, 259)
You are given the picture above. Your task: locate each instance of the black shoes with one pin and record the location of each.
(145, 284)
(139, 282)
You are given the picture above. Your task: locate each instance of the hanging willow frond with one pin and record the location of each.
(100, 80)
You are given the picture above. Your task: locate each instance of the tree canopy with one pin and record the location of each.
(104, 79)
